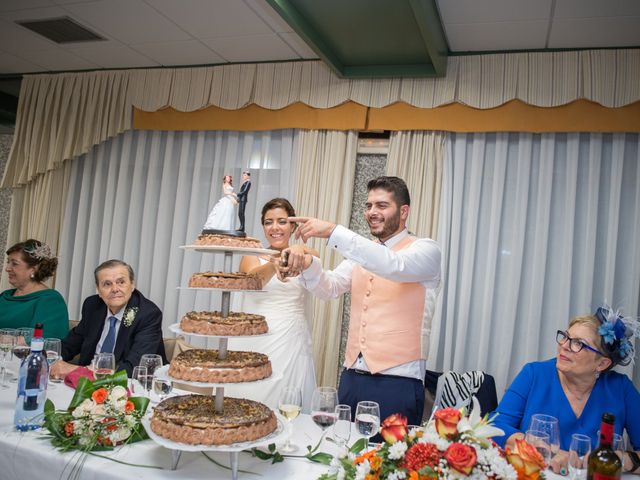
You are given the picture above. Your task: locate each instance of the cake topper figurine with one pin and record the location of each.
(243, 194)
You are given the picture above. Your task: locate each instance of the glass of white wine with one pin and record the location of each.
(105, 365)
(290, 404)
(52, 347)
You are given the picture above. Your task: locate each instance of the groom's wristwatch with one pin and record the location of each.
(635, 460)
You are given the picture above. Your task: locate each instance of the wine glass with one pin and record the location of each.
(368, 419)
(549, 425)
(52, 347)
(162, 387)
(579, 456)
(540, 441)
(139, 380)
(105, 365)
(7, 341)
(290, 404)
(323, 406)
(153, 362)
(342, 427)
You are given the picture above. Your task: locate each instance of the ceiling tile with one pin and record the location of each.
(269, 15)
(112, 55)
(11, 5)
(595, 32)
(212, 18)
(473, 37)
(191, 52)
(129, 21)
(596, 8)
(57, 59)
(471, 11)
(299, 45)
(252, 48)
(16, 39)
(12, 64)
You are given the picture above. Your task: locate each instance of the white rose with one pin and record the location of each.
(117, 393)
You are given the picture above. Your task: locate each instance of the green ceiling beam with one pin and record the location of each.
(371, 38)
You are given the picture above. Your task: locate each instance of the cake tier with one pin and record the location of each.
(231, 281)
(192, 419)
(212, 323)
(200, 365)
(227, 241)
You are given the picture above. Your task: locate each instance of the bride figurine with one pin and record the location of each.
(222, 217)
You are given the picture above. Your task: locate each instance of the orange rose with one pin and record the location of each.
(68, 429)
(447, 422)
(100, 395)
(526, 460)
(129, 407)
(461, 457)
(394, 428)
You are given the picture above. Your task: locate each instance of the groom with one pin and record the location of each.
(242, 197)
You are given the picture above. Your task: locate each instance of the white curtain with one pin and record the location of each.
(535, 229)
(140, 195)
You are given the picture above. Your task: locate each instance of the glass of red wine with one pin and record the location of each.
(323, 407)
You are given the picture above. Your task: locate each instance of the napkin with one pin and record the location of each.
(74, 377)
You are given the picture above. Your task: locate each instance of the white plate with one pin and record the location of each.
(223, 249)
(175, 328)
(163, 372)
(210, 289)
(274, 437)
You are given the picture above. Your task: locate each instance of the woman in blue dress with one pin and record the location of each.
(578, 386)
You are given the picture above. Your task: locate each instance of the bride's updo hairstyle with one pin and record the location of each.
(224, 179)
(282, 203)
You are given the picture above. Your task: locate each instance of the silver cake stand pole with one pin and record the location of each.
(234, 465)
(175, 458)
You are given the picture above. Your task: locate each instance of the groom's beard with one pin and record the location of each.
(389, 227)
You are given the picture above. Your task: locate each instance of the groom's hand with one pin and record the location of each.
(312, 227)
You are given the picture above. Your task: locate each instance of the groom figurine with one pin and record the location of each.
(242, 197)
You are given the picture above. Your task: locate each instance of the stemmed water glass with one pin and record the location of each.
(342, 427)
(549, 425)
(368, 419)
(323, 406)
(53, 348)
(579, 456)
(139, 380)
(290, 404)
(7, 341)
(540, 441)
(105, 365)
(162, 387)
(153, 362)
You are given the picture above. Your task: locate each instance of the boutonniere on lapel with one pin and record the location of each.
(129, 316)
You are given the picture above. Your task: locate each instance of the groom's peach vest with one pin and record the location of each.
(386, 319)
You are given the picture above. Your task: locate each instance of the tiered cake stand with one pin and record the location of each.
(233, 449)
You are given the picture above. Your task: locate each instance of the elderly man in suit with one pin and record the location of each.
(119, 319)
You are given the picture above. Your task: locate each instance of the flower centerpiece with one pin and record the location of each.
(453, 445)
(100, 416)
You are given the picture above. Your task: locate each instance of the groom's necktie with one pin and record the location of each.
(110, 339)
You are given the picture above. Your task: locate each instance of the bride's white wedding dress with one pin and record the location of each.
(222, 216)
(288, 344)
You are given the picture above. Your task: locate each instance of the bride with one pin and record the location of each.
(286, 308)
(223, 214)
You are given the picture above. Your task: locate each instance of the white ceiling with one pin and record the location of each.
(151, 33)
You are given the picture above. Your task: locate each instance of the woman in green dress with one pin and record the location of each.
(29, 264)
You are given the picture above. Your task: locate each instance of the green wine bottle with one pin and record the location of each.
(604, 463)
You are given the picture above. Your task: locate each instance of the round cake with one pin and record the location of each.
(227, 281)
(192, 419)
(200, 365)
(227, 241)
(213, 323)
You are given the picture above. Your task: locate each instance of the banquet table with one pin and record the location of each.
(30, 454)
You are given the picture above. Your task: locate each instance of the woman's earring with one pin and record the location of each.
(31, 276)
(597, 374)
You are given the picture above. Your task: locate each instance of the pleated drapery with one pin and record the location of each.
(535, 229)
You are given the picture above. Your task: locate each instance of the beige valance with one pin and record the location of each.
(61, 116)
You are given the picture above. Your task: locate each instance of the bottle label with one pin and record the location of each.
(600, 476)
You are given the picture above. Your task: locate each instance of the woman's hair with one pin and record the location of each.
(224, 179)
(37, 255)
(590, 322)
(282, 203)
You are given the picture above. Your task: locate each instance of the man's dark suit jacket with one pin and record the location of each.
(244, 192)
(143, 336)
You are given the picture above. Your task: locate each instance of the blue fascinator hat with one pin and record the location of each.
(618, 335)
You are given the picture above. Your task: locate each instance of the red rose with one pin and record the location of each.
(421, 455)
(447, 422)
(461, 457)
(68, 429)
(394, 428)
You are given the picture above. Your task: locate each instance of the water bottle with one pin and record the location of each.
(32, 386)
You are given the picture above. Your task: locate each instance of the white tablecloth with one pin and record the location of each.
(30, 455)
